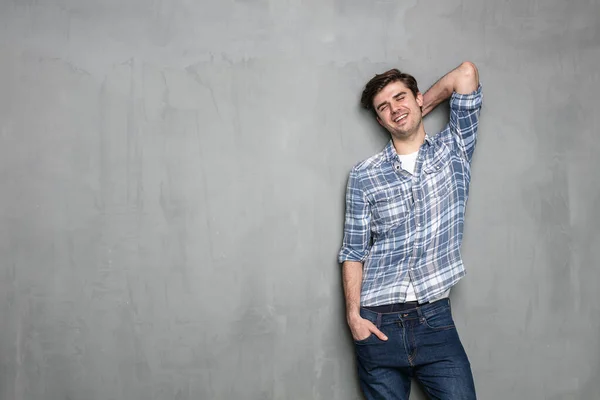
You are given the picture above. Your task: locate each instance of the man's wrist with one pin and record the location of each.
(353, 315)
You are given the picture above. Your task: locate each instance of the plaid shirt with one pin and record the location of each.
(398, 224)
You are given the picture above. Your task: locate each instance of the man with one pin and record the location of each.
(403, 229)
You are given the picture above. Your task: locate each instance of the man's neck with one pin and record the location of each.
(409, 144)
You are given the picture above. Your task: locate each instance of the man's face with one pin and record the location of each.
(398, 110)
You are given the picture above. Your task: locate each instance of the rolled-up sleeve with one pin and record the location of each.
(464, 119)
(357, 230)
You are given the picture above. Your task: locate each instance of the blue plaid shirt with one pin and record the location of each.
(398, 224)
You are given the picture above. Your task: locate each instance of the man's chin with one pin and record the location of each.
(402, 134)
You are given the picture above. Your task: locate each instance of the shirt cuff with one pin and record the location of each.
(471, 101)
(347, 254)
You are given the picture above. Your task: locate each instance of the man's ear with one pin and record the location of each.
(380, 121)
(420, 99)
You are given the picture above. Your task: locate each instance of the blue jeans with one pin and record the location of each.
(422, 343)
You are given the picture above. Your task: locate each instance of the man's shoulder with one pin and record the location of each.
(368, 164)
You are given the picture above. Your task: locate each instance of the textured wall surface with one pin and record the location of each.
(173, 172)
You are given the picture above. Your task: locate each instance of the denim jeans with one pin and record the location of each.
(422, 343)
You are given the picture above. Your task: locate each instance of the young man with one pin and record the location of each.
(403, 229)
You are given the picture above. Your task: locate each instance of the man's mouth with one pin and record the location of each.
(400, 117)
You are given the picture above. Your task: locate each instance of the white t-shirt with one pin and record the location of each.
(408, 162)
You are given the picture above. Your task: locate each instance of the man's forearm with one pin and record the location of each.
(352, 272)
(463, 79)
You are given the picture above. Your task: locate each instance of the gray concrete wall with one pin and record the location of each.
(173, 172)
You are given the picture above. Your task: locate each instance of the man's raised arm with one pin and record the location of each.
(463, 79)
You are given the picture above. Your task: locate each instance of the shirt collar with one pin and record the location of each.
(390, 150)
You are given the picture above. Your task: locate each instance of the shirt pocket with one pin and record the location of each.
(391, 208)
(438, 174)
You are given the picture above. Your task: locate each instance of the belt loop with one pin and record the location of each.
(378, 324)
(419, 312)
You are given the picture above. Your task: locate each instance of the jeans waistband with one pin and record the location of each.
(406, 311)
(397, 307)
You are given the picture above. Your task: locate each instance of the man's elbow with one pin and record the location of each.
(468, 68)
(469, 78)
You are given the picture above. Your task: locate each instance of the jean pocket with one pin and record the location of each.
(372, 341)
(439, 318)
(365, 340)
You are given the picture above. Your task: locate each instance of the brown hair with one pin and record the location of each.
(379, 81)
